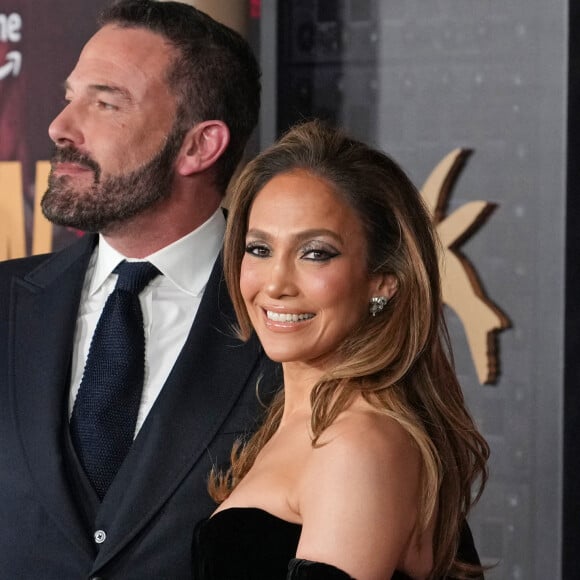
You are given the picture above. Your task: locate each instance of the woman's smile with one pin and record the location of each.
(288, 316)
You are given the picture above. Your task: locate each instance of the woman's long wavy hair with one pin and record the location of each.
(400, 360)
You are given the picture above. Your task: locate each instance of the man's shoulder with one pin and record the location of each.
(22, 267)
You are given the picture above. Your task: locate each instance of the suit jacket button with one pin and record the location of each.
(100, 536)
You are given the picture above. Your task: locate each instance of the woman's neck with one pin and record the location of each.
(299, 380)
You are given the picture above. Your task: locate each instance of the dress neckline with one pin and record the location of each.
(256, 510)
(237, 513)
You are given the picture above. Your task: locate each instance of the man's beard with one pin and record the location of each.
(114, 199)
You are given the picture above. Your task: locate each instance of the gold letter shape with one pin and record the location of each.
(41, 228)
(461, 287)
(12, 236)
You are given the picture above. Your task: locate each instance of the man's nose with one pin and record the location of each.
(65, 129)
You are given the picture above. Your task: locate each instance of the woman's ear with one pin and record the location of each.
(202, 146)
(384, 285)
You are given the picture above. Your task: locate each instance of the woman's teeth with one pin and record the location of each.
(285, 317)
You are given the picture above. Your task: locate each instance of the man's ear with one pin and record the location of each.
(202, 146)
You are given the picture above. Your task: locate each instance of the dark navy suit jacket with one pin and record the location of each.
(159, 494)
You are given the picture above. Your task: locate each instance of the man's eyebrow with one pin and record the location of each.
(103, 88)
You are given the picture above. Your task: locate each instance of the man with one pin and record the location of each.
(158, 110)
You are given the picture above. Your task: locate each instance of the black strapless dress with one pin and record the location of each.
(252, 544)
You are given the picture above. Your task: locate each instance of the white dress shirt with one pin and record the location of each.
(169, 303)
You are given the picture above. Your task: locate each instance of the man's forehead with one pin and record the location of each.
(139, 46)
(124, 59)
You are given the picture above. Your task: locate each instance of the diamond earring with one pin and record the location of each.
(377, 304)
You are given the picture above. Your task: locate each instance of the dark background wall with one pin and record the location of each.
(420, 79)
(571, 512)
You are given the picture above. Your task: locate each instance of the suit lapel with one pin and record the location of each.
(199, 394)
(44, 308)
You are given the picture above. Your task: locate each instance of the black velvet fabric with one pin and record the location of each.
(299, 569)
(252, 544)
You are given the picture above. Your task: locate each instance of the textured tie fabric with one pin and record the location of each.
(105, 411)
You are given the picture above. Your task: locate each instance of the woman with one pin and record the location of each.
(365, 464)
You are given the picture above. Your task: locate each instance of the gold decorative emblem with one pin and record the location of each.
(462, 290)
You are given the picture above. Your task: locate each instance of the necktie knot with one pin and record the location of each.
(134, 276)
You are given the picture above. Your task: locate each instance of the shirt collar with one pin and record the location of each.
(187, 262)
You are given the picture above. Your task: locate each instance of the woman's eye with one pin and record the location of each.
(259, 250)
(319, 254)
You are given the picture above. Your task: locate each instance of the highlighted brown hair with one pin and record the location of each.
(400, 361)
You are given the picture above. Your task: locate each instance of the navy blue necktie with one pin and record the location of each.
(105, 411)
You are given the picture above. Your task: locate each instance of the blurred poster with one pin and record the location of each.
(39, 45)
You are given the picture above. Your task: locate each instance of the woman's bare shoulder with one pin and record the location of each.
(360, 488)
(364, 434)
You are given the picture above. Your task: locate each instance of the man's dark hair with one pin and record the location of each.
(215, 75)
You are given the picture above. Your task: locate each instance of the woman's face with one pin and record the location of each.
(304, 275)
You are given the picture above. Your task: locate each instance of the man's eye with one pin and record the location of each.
(106, 106)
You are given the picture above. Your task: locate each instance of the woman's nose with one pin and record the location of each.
(282, 280)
